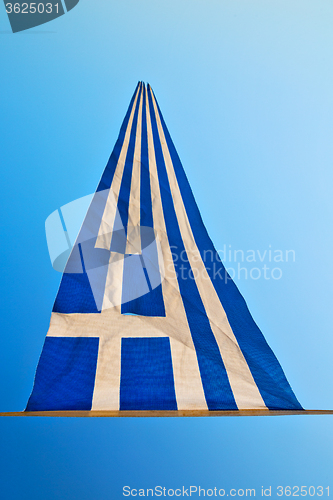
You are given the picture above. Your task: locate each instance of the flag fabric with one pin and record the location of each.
(146, 316)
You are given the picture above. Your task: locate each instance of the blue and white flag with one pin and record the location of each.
(146, 317)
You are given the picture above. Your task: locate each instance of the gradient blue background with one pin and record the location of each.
(246, 88)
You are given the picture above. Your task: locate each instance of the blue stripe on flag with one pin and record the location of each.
(265, 368)
(136, 283)
(75, 295)
(150, 304)
(214, 377)
(146, 381)
(65, 375)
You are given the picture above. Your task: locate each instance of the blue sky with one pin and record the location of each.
(246, 91)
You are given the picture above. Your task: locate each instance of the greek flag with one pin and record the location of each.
(146, 316)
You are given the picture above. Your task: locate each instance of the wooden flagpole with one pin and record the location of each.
(178, 413)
